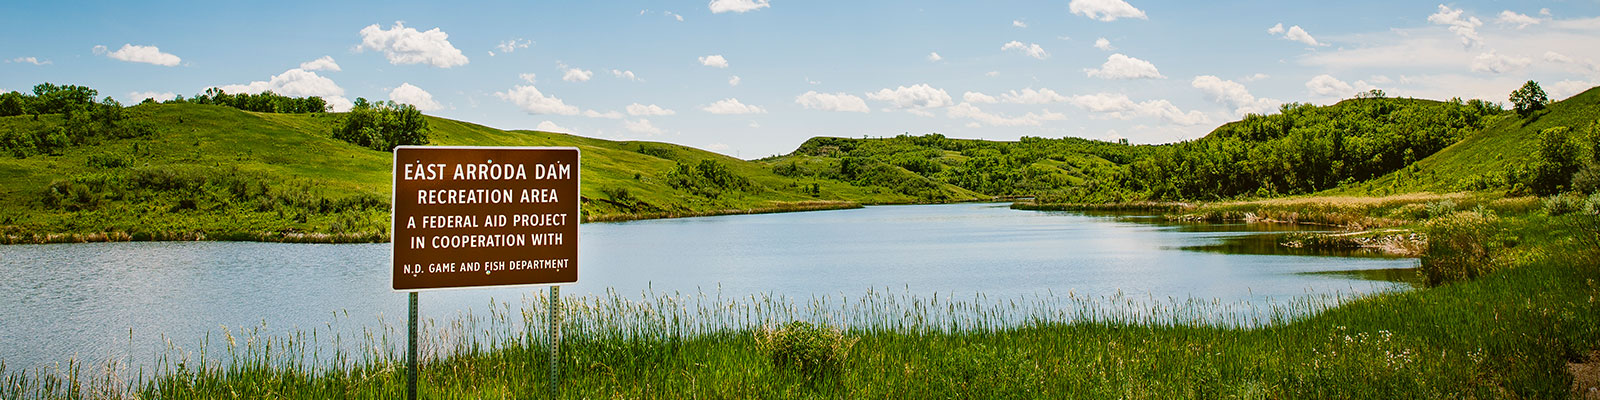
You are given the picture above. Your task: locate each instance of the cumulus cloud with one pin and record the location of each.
(1119, 66)
(1465, 28)
(1233, 94)
(296, 83)
(1018, 23)
(641, 126)
(1030, 49)
(1030, 96)
(1327, 85)
(1103, 44)
(734, 80)
(140, 54)
(637, 109)
(714, 60)
(510, 45)
(625, 75)
(577, 75)
(915, 96)
(934, 56)
(730, 106)
(1294, 33)
(402, 45)
(1105, 10)
(1119, 106)
(157, 96)
(526, 77)
(321, 64)
(1509, 17)
(980, 98)
(29, 60)
(967, 110)
(1492, 62)
(738, 6)
(1256, 77)
(415, 96)
(548, 126)
(832, 102)
(531, 100)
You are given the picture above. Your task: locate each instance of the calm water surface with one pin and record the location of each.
(57, 301)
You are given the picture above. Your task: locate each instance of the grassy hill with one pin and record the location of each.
(1493, 158)
(217, 172)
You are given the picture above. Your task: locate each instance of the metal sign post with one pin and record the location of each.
(484, 216)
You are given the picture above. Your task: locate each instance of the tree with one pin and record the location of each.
(1559, 158)
(1529, 98)
(11, 103)
(383, 125)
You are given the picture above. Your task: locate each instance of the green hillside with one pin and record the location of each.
(221, 173)
(1498, 157)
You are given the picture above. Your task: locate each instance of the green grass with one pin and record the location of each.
(260, 176)
(1508, 334)
(1489, 159)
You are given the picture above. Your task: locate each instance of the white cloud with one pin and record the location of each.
(832, 102)
(607, 115)
(992, 74)
(754, 125)
(1521, 21)
(915, 96)
(1030, 96)
(294, 82)
(1492, 62)
(548, 126)
(1104, 44)
(734, 81)
(1294, 33)
(157, 96)
(641, 126)
(674, 15)
(1119, 106)
(637, 109)
(321, 64)
(980, 98)
(29, 60)
(714, 60)
(1018, 23)
(534, 102)
(1465, 28)
(402, 45)
(1566, 88)
(577, 75)
(1555, 57)
(510, 45)
(1380, 79)
(1327, 85)
(732, 106)
(1233, 94)
(1031, 49)
(738, 6)
(415, 96)
(967, 110)
(526, 77)
(1105, 10)
(625, 75)
(140, 54)
(1119, 66)
(1256, 77)
(934, 56)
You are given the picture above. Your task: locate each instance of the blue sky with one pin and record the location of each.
(753, 78)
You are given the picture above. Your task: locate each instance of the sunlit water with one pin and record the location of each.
(62, 300)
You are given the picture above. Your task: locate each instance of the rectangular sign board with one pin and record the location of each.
(484, 216)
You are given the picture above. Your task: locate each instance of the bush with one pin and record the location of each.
(1563, 204)
(1461, 246)
(1592, 205)
(813, 351)
(1441, 208)
(1587, 180)
(383, 125)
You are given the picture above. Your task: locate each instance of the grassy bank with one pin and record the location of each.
(1507, 333)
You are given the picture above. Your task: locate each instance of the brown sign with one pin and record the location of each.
(484, 216)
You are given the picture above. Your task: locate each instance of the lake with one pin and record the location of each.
(62, 300)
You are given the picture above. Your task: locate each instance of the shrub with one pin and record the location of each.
(1563, 204)
(1592, 205)
(1461, 246)
(812, 350)
(1441, 208)
(1587, 180)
